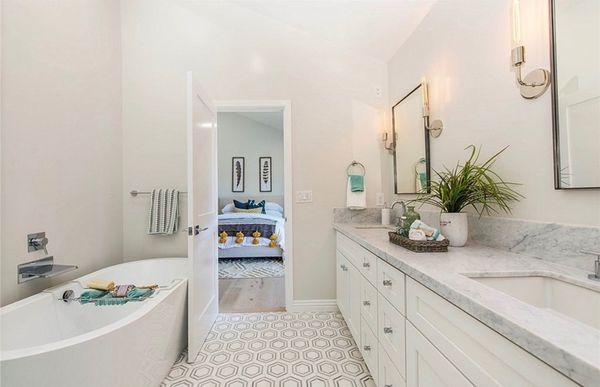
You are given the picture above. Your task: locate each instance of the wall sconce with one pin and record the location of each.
(384, 139)
(434, 127)
(537, 81)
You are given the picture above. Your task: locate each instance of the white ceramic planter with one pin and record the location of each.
(455, 227)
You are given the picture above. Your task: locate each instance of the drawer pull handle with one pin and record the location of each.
(366, 264)
(366, 303)
(367, 347)
(389, 385)
(387, 282)
(388, 330)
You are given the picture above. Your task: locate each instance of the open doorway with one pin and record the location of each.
(254, 237)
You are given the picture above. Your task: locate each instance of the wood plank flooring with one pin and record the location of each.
(252, 295)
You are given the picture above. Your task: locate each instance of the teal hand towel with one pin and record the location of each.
(91, 295)
(357, 183)
(137, 293)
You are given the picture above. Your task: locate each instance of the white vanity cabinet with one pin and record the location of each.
(375, 321)
(410, 336)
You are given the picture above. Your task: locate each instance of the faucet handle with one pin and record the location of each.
(37, 241)
(596, 274)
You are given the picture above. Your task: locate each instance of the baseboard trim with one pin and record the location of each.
(314, 306)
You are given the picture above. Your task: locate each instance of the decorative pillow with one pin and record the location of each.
(242, 205)
(257, 210)
(253, 204)
(228, 208)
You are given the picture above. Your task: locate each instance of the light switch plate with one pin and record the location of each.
(304, 197)
(380, 199)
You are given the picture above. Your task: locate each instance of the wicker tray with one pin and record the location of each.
(419, 246)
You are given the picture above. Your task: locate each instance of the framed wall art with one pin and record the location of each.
(265, 174)
(238, 174)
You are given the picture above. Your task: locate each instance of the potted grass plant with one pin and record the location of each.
(471, 184)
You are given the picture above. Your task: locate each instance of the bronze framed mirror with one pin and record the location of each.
(412, 166)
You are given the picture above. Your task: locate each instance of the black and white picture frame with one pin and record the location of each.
(265, 174)
(238, 174)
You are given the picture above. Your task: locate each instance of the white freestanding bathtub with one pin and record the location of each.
(48, 342)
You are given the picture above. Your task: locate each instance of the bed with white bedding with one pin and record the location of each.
(270, 243)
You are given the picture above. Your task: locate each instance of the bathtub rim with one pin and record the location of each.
(148, 305)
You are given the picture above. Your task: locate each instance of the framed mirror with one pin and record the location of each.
(575, 60)
(411, 144)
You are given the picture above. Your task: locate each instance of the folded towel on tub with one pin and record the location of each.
(91, 295)
(102, 298)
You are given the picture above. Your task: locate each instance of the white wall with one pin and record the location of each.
(463, 48)
(240, 136)
(240, 55)
(61, 136)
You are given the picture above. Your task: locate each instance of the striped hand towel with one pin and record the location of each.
(164, 212)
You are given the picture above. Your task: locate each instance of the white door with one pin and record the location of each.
(203, 300)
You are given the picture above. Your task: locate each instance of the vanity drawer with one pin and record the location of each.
(391, 332)
(389, 376)
(368, 265)
(391, 284)
(349, 248)
(368, 308)
(481, 354)
(368, 348)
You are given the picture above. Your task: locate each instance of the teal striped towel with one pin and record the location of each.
(163, 218)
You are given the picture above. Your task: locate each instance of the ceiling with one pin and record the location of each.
(376, 28)
(271, 119)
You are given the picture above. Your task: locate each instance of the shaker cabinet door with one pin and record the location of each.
(426, 366)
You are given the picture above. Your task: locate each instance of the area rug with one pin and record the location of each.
(242, 268)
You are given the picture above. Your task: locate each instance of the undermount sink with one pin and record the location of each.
(562, 298)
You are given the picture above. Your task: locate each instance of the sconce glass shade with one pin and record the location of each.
(516, 23)
(434, 127)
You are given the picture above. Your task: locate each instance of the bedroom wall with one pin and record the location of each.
(61, 137)
(240, 55)
(479, 102)
(240, 136)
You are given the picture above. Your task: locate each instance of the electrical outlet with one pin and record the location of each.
(304, 197)
(380, 199)
(378, 92)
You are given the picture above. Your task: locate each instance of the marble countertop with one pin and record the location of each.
(572, 348)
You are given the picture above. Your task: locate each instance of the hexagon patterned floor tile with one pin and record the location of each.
(275, 350)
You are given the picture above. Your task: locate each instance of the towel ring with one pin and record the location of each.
(355, 163)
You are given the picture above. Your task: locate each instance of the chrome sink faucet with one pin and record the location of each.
(596, 274)
(403, 204)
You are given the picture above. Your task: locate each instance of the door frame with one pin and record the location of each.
(285, 106)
